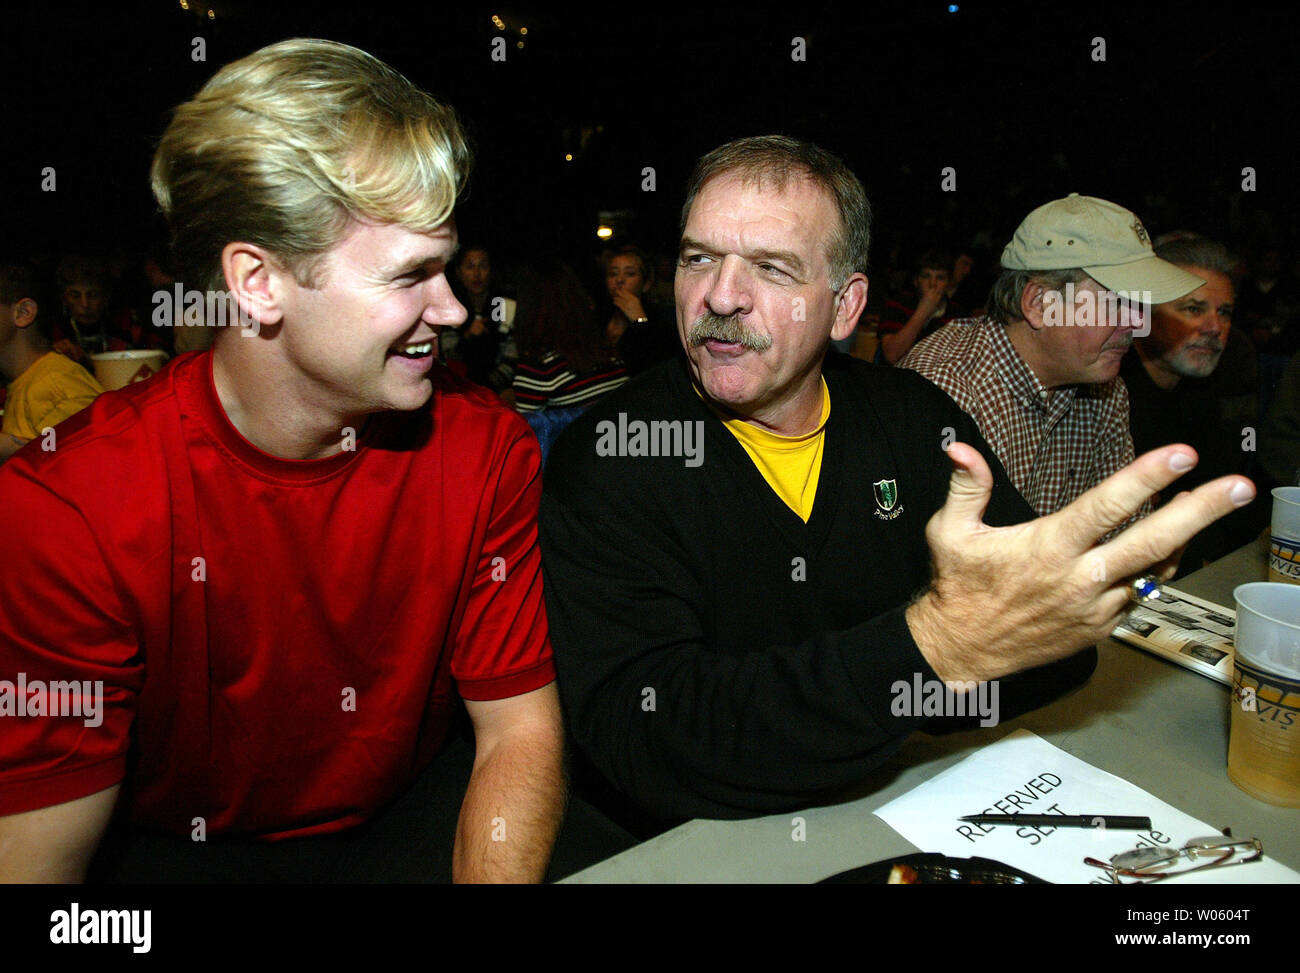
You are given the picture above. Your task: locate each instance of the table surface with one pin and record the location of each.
(1151, 722)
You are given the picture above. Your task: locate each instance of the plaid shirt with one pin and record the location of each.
(1054, 444)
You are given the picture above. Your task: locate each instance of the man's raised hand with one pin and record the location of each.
(1003, 599)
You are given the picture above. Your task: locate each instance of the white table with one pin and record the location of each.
(1139, 717)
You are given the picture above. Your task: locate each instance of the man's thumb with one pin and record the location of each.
(971, 484)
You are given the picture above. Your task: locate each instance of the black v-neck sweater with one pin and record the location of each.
(718, 657)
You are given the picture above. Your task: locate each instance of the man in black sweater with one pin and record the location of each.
(1171, 396)
(752, 561)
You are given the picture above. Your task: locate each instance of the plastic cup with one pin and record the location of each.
(1264, 734)
(115, 369)
(1284, 537)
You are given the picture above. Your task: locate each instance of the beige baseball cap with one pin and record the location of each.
(1107, 241)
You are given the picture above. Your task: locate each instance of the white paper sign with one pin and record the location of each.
(1024, 774)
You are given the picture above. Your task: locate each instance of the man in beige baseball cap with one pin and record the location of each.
(1039, 372)
(1106, 241)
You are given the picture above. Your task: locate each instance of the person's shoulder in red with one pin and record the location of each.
(80, 515)
(468, 412)
(106, 447)
(100, 471)
(111, 521)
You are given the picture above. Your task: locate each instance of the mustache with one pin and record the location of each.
(1211, 344)
(709, 325)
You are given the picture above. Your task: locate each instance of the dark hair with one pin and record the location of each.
(464, 251)
(1196, 251)
(555, 315)
(20, 280)
(776, 159)
(16, 282)
(1004, 297)
(78, 269)
(933, 260)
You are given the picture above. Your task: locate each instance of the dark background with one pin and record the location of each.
(1008, 95)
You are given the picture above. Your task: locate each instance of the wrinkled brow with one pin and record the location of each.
(791, 259)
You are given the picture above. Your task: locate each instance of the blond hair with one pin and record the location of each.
(288, 145)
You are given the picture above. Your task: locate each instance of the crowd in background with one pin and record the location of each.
(551, 336)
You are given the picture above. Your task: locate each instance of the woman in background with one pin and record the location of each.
(482, 349)
(640, 332)
(562, 363)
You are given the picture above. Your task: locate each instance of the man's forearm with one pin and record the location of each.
(899, 343)
(512, 811)
(57, 843)
(10, 445)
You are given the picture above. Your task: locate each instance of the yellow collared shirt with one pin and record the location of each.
(791, 465)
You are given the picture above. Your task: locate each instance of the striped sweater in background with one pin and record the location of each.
(552, 382)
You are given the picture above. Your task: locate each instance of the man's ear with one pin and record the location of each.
(1033, 304)
(25, 312)
(256, 280)
(848, 307)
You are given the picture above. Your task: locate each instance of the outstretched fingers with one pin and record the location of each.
(1157, 539)
(1117, 498)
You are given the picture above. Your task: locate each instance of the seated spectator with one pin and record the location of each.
(82, 329)
(275, 559)
(1040, 372)
(483, 348)
(1167, 376)
(562, 362)
(918, 312)
(89, 323)
(640, 332)
(702, 674)
(45, 387)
